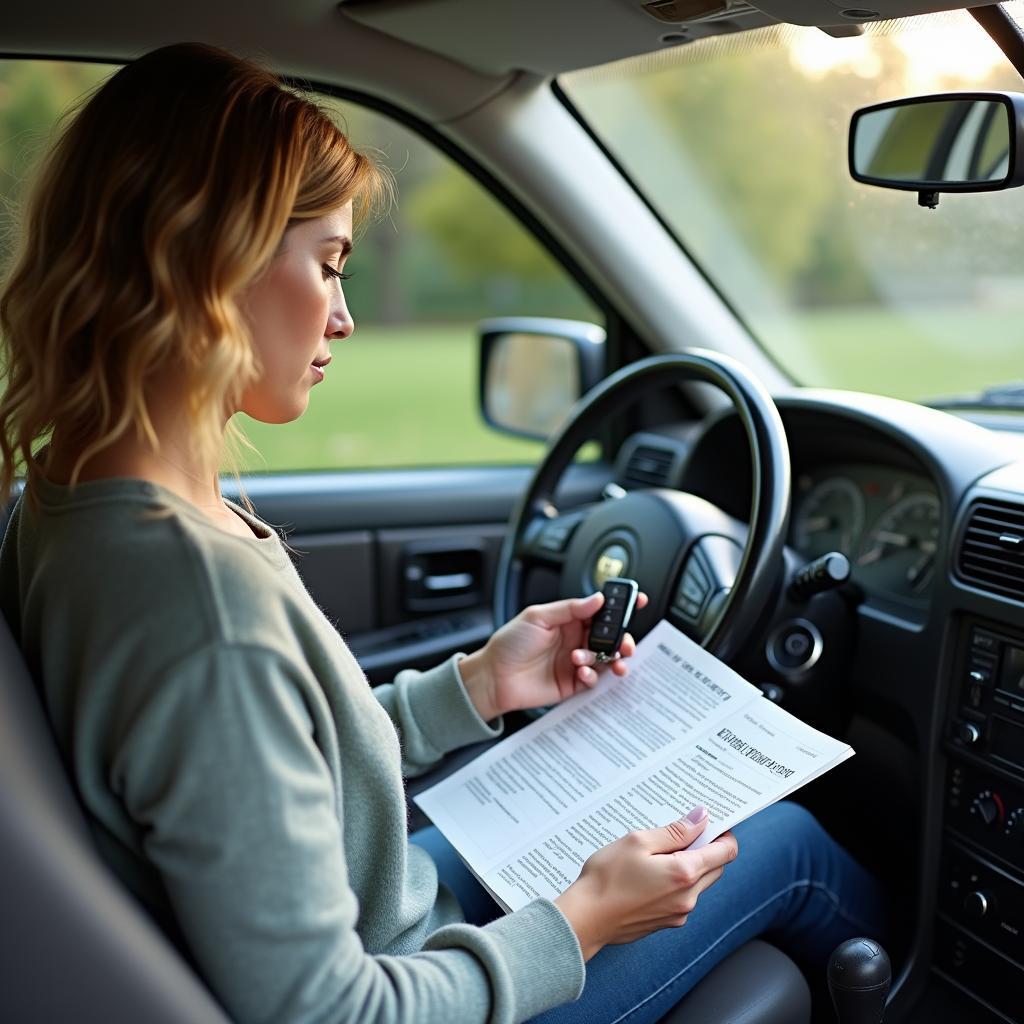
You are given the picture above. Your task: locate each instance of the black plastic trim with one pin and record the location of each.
(1005, 32)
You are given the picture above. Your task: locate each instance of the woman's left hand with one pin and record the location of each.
(539, 657)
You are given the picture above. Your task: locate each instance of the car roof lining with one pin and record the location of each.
(309, 41)
(440, 58)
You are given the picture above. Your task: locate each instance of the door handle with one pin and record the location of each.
(439, 577)
(451, 581)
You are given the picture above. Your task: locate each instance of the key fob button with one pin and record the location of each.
(610, 623)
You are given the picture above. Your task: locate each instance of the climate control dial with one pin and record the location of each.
(988, 810)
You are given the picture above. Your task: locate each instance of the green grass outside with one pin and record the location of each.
(404, 396)
(916, 356)
(407, 396)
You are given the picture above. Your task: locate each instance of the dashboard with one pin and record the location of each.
(886, 521)
(863, 485)
(920, 665)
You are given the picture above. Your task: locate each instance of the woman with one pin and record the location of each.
(183, 249)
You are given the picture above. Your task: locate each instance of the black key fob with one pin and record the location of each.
(612, 620)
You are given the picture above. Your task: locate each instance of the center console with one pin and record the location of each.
(979, 935)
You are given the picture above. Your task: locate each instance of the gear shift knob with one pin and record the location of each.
(859, 974)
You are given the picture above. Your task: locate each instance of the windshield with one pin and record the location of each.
(740, 142)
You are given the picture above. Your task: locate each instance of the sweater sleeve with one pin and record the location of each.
(240, 814)
(433, 715)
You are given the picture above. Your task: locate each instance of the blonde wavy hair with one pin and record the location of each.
(166, 192)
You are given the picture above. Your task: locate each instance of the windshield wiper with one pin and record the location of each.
(1002, 396)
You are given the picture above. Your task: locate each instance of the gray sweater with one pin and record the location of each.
(244, 779)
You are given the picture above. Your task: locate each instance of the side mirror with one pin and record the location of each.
(534, 369)
(951, 142)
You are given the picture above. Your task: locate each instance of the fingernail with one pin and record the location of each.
(699, 813)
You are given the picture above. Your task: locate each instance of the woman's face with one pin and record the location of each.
(294, 310)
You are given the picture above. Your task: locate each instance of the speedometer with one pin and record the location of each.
(830, 518)
(898, 553)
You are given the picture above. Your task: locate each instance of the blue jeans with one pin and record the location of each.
(791, 883)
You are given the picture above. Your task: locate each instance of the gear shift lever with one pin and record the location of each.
(859, 974)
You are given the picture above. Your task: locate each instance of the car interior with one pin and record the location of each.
(859, 548)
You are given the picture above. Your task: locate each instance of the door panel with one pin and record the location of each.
(339, 567)
(362, 535)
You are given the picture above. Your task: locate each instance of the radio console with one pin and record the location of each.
(979, 935)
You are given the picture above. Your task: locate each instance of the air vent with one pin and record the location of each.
(992, 553)
(648, 467)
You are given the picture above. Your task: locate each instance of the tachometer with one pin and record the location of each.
(898, 552)
(830, 518)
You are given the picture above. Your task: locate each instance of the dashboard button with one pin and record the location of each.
(983, 640)
(968, 732)
(980, 674)
(977, 904)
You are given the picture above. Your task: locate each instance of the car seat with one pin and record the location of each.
(76, 946)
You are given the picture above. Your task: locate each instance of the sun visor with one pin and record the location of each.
(551, 36)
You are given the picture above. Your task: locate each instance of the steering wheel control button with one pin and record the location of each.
(794, 647)
(694, 589)
(554, 536)
(691, 588)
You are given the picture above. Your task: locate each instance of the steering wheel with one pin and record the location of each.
(709, 574)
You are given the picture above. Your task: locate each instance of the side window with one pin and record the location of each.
(33, 94)
(402, 391)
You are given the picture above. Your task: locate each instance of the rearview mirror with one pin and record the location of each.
(952, 142)
(533, 370)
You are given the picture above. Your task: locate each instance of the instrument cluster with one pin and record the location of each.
(886, 521)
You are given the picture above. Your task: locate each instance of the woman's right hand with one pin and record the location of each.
(643, 882)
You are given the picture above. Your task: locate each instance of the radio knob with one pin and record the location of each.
(968, 733)
(978, 903)
(988, 809)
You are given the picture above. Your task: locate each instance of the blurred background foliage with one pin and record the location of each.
(741, 143)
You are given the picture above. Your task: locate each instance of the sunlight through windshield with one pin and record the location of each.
(740, 142)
